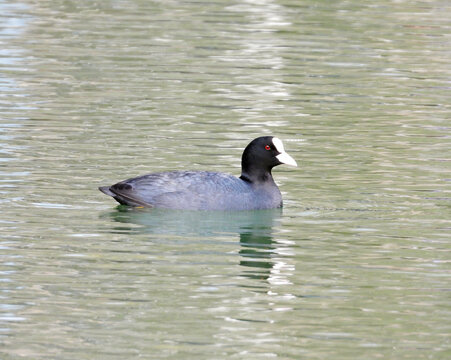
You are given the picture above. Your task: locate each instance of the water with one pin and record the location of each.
(357, 265)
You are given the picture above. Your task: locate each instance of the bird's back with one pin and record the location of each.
(197, 190)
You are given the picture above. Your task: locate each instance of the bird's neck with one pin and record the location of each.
(256, 176)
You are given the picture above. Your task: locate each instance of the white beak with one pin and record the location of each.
(284, 158)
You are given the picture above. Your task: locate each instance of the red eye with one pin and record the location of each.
(267, 147)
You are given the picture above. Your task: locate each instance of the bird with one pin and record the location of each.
(207, 190)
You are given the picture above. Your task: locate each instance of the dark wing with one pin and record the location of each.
(176, 189)
(123, 196)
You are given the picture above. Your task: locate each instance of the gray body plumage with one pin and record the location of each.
(195, 190)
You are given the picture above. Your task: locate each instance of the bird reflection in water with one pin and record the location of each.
(256, 253)
(255, 229)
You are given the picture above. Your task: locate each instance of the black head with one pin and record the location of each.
(260, 156)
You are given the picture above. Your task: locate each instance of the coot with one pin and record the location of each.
(206, 190)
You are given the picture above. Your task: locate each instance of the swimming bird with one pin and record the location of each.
(207, 190)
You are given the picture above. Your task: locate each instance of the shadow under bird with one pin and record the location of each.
(207, 190)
